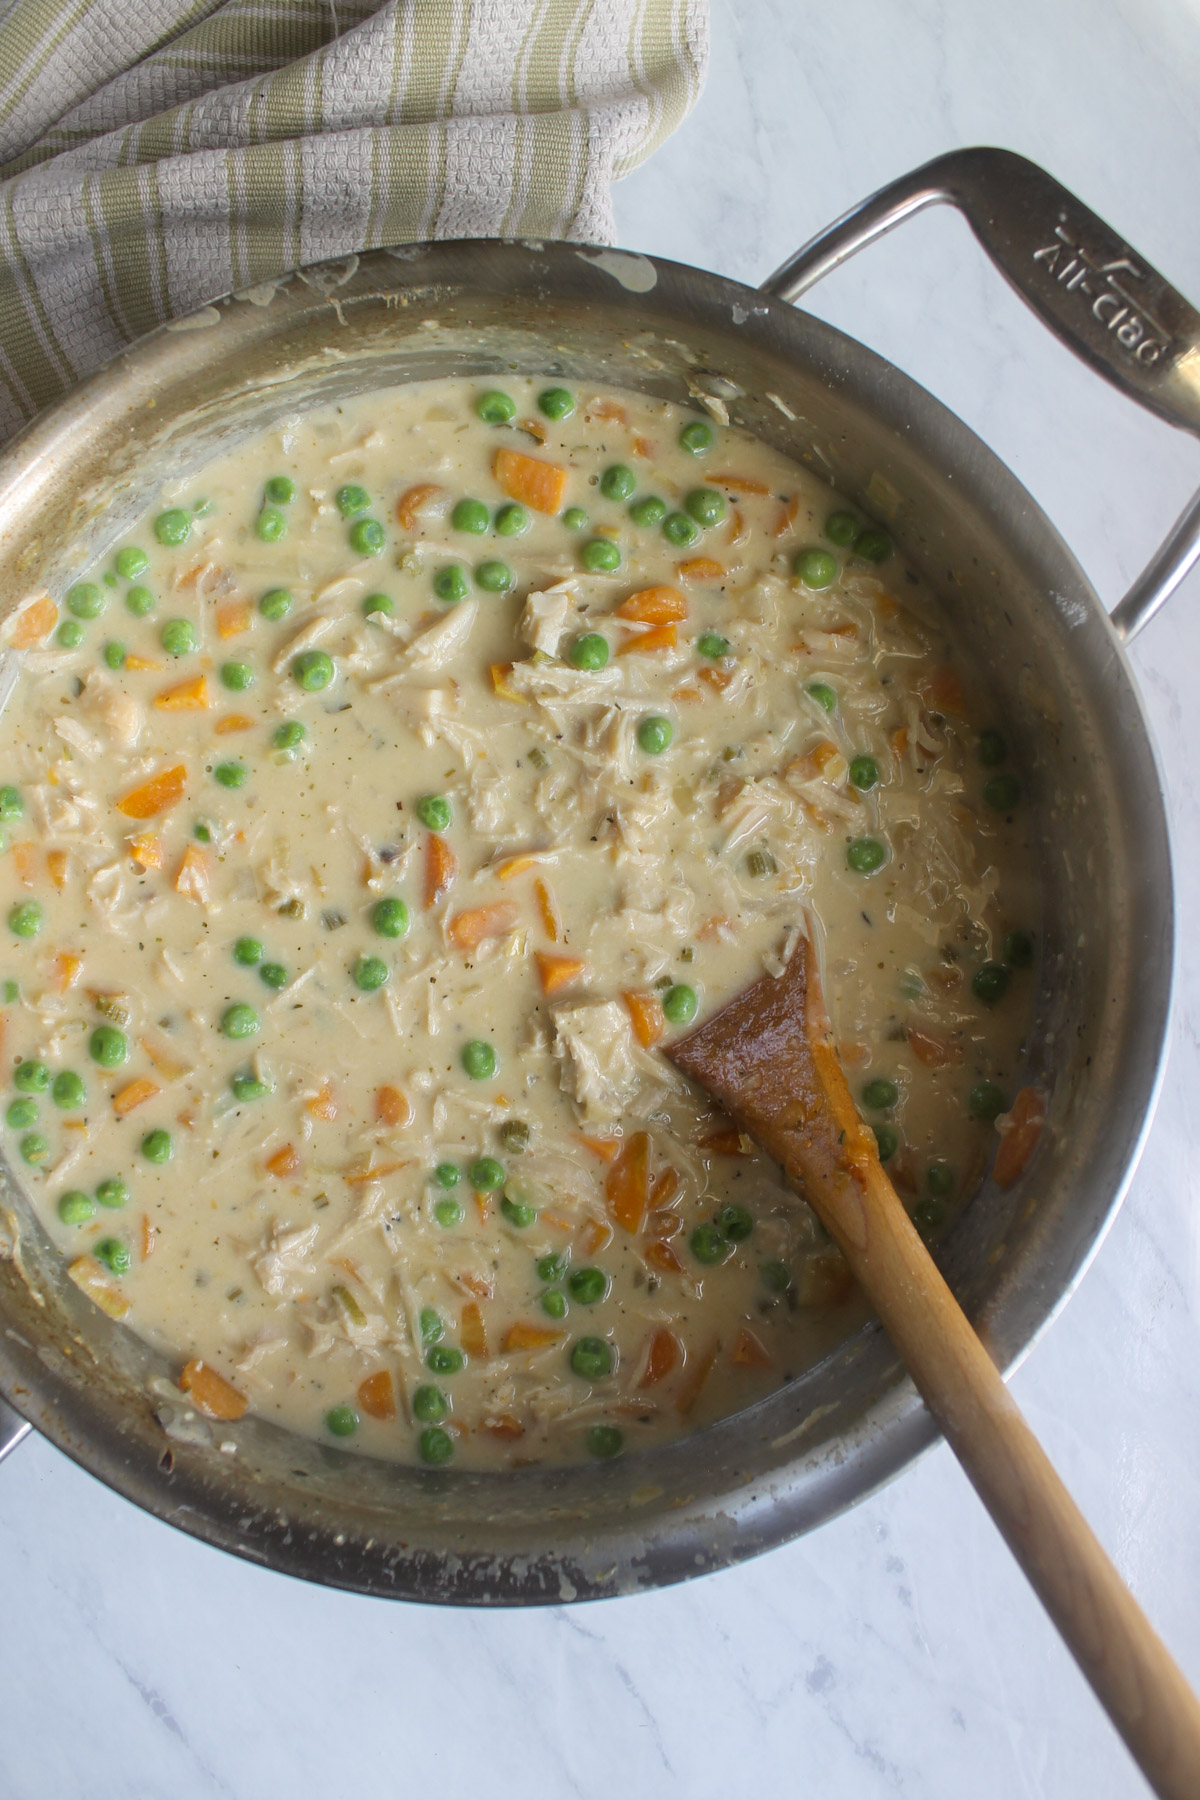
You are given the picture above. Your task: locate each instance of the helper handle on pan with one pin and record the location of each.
(1091, 288)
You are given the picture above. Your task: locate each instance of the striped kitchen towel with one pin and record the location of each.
(157, 153)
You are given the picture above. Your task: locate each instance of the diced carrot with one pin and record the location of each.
(597, 1236)
(700, 568)
(66, 970)
(501, 685)
(90, 1278)
(660, 1256)
(535, 428)
(749, 1353)
(523, 1336)
(697, 1375)
(899, 741)
(886, 606)
(283, 1161)
(642, 446)
(519, 864)
(736, 532)
(212, 1394)
(852, 1053)
(323, 1105)
(186, 696)
(540, 485)
(607, 1149)
(1020, 1129)
(162, 791)
(33, 622)
(147, 851)
(471, 1333)
(24, 855)
(667, 1186)
(194, 878)
(654, 606)
(549, 910)
(141, 663)
(738, 484)
(233, 618)
(627, 1185)
(556, 1221)
(413, 501)
(135, 1093)
(933, 1052)
(377, 1395)
(164, 1058)
(646, 1016)
(391, 1106)
(506, 1428)
(149, 1237)
(826, 1279)
(232, 722)
(441, 868)
(662, 1357)
(557, 972)
(785, 518)
(726, 1140)
(467, 930)
(717, 679)
(943, 690)
(608, 409)
(371, 1172)
(659, 637)
(815, 761)
(56, 868)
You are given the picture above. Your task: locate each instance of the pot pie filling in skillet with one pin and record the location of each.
(375, 810)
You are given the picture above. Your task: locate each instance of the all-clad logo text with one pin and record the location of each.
(1106, 285)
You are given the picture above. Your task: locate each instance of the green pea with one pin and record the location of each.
(433, 1326)
(486, 1174)
(273, 975)
(554, 1303)
(367, 537)
(679, 1004)
(377, 603)
(352, 499)
(709, 1244)
(202, 832)
(518, 1212)
(864, 773)
(86, 600)
(239, 1021)
(479, 1060)
(450, 584)
(928, 1214)
(115, 1254)
(990, 982)
(114, 655)
(312, 670)
(775, 1276)
(12, 992)
(575, 519)
(617, 482)
(495, 407)
(601, 556)
(985, 1101)
(429, 1404)
(705, 505)
(11, 804)
(735, 1223)
(25, 919)
(874, 544)
(552, 1267)
(841, 528)
(370, 973)
(342, 1421)
(815, 568)
(435, 1446)
(592, 1358)
(34, 1148)
(237, 676)
(390, 917)
(679, 530)
(589, 651)
(649, 511)
(76, 1208)
(108, 1046)
(512, 520)
(556, 403)
(939, 1180)
(696, 437)
(230, 774)
(654, 734)
(435, 811)
(178, 637)
(865, 855)
(444, 1359)
(289, 736)
(992, 749)
(1017, 950)
(880, 1095)
(131, 562)
(448, 1213)
(271, 524)
(604, 1441)
(112, 1193)
(887, 1141)
(494, 576)
(280, 490)
(275, 604)
(825, 696)
(248, 1087)
(69, 634)
(157, 1146)
(711, 643)
(139, 601)
(31, 1077)
(248, 951)
(21, 1115)
(447, 1175)
(588, 1286)
(1002, 792)
(173, 527)
(471, 515)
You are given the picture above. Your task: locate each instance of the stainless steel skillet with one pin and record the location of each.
(1026, 612)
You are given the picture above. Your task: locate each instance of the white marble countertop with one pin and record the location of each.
(897, 1651)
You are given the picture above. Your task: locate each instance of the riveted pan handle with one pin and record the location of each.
(1091, 288)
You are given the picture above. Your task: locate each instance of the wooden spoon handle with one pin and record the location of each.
(1114, 1644)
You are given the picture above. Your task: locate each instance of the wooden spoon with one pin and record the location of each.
(770, 1060)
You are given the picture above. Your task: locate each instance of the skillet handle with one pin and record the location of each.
(12, 1429)
(1086, 284)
